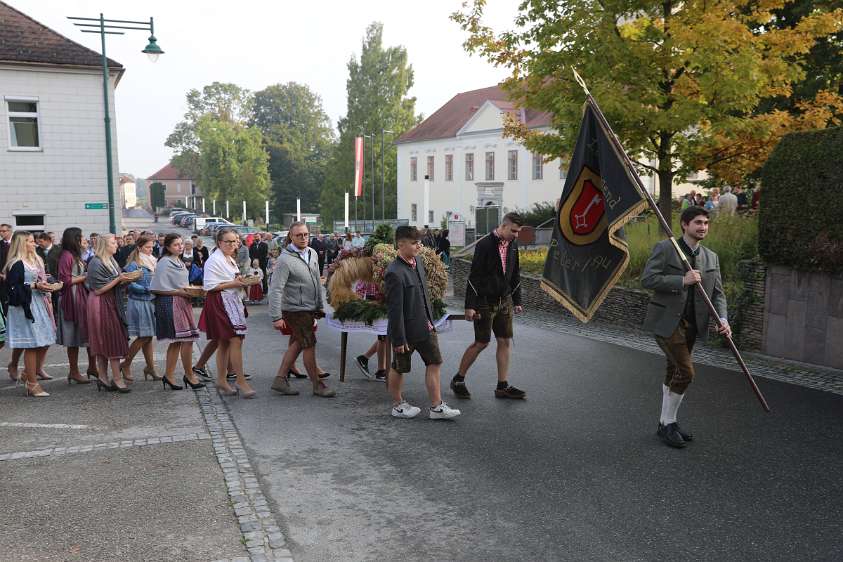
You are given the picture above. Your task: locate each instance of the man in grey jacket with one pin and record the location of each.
(677, 314)
(295, 304)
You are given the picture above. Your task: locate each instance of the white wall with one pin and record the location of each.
(70, 168)
(460, 195)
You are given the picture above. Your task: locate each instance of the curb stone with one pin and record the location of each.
(260, 533)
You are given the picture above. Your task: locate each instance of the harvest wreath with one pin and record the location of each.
(354, 267)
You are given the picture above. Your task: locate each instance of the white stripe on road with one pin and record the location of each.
(45, 425)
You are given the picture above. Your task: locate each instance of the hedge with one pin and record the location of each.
(801, 210)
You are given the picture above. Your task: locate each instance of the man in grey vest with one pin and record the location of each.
(677, 314)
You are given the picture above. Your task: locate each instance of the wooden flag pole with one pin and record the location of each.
(669, 232)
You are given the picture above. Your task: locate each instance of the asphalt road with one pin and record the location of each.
(573, 473)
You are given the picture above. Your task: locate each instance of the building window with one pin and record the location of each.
(469, 167)
(430, 168)
(512, 165)
(414, 212)
(414, 168)
(430, 217)
(538, 166)
(23, 124)
(178, 188)
(449, 167)
(563, 170)
(490, 166)
(23, 221)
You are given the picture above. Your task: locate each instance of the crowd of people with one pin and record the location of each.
(726, 201)
(112, 299)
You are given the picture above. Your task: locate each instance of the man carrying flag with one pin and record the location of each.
(677, 315)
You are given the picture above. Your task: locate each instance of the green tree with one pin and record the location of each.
(377, 88)
(680, 81)
(232, 164)
(298, 137)
(222, 101)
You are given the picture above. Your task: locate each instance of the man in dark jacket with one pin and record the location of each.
(492, 295)
(410, 326)
(49, 252)
(5, 244)
(259, 250)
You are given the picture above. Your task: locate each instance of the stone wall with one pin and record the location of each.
(628, 307)
(804, 316)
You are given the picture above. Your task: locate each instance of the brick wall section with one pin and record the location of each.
(625, 307)
(628, 307)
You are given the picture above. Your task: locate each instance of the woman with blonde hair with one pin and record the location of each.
(107, 334)
(31, 325)
(140, 310)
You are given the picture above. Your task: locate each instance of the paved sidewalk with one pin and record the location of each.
(142, 476)
(774, 368)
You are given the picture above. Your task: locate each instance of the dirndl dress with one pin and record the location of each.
(23, 333)
(107, 335)
(223, 316)
(174, 319)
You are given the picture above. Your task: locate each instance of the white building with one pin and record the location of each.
(52, 142)
(470, 164)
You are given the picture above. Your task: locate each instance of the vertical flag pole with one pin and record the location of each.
(298, 209)
(266, 213)
(669, 232)
(346, 211)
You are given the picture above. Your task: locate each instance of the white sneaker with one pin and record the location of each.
(405, 410)
(443, 412)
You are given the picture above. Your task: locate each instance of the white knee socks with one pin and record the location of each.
(670, 405)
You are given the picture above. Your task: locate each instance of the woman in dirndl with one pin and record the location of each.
(173, 313)
(72, 315)
(108, 338)
(140, 310)
(31, 325)
(224, 317)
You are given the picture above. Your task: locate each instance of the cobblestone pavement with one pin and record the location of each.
(783, 370)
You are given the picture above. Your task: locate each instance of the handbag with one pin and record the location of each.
(196, 275)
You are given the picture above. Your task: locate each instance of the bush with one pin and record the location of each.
(540, 213)
(801, 202)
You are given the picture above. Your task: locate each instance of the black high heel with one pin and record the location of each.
(196, 386)
(297, 375)
(165, 382)
(101, 385)
(120, 389)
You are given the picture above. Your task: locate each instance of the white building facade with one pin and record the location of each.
(469, 163)
(52, 146)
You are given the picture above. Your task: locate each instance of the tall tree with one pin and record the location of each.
(377, 87)
(223, 101)
(232, 164)
(298, 138)
(680, 81)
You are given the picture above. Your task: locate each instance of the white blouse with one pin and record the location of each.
(219, 269)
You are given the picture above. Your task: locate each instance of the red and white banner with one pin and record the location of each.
(358, 166)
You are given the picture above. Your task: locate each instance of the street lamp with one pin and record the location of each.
(152, 50)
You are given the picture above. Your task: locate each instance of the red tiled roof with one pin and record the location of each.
(168, 172)
(451, 117)
(24, 40)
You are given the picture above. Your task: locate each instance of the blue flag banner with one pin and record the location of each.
(588, 251)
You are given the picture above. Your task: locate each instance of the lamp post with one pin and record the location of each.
(372, 138)
(152, 50)
(383, 173)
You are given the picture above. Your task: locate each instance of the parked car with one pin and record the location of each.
(245, 229)
(201, 223)
(182, 220)
(174, 217)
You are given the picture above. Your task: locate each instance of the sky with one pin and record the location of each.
(256, 43)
